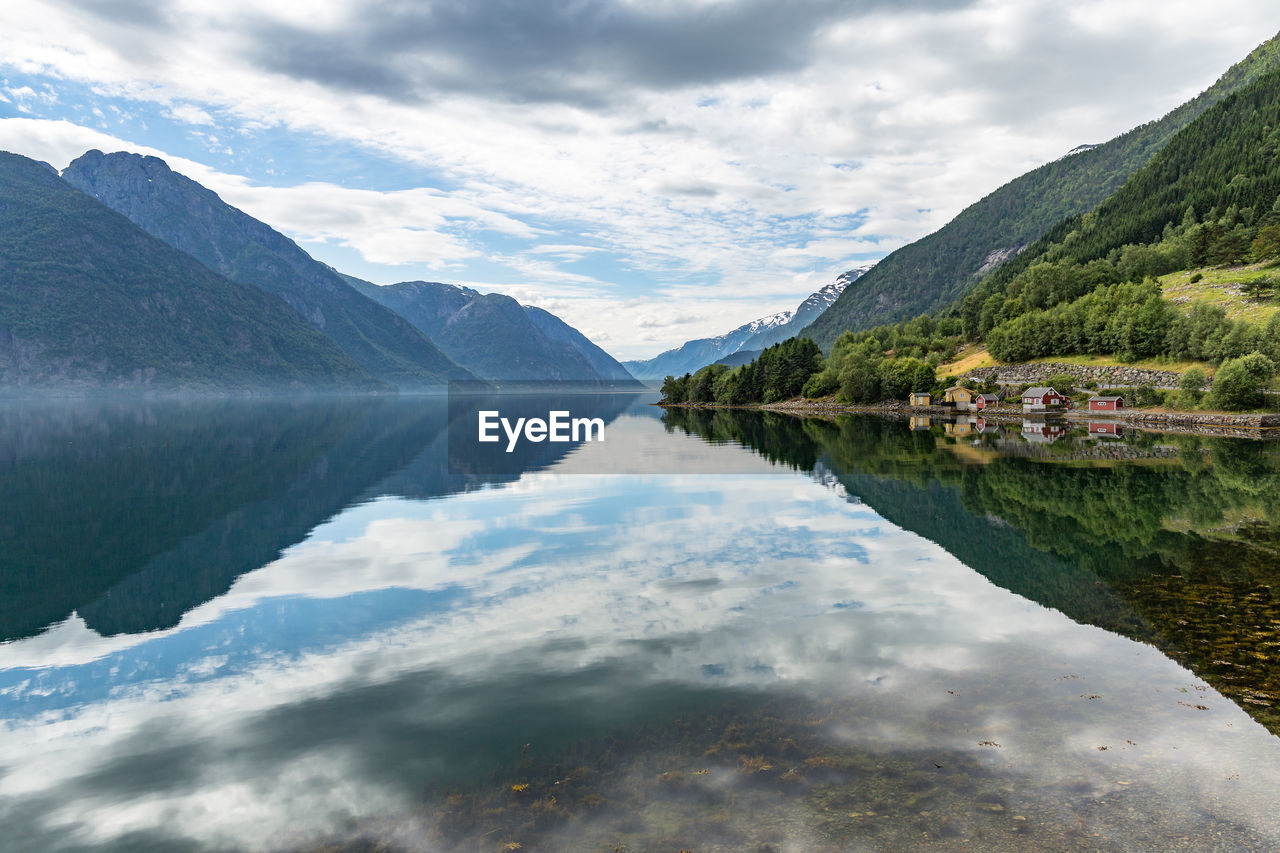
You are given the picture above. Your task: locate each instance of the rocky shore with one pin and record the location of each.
(1199, 423)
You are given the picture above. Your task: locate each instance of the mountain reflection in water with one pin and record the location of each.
(297, 627)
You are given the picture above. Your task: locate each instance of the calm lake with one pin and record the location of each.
(335, 625)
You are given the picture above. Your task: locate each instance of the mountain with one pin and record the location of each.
(807, 312)
(742, 356)
(934, 271)
(195, 220)
(496, 337)
(90, 301)
(753, 336)
(691, 355)
(553, 327)
(1210, 198)
(1228, 161)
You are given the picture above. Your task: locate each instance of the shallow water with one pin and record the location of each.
(313, 626)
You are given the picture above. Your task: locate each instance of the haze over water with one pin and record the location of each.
(297, 626)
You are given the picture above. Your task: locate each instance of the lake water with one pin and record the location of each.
(308, 626)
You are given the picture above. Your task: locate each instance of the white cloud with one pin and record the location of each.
(705, 168)
(189, 114)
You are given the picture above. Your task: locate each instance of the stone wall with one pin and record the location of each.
(1038, 374)
(1202, 419)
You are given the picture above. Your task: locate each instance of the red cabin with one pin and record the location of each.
(1040, 398)
(1106, 404)
(983, 401)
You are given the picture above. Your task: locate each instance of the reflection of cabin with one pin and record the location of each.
(919, 398)
(1039, 398)
(983, 401)
(985, 426)
(1106, 428)
(958, 427)
(1042, 432)
(919, 422)
(1105, 404)
(958, 396)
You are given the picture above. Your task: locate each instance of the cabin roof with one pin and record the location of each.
(990, 398)
(958, 388)
(1038, 391)
(1100, 399)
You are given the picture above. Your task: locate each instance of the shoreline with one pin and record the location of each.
(1212, 424)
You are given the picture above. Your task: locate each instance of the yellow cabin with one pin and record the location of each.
(920, 398)
(958, 396)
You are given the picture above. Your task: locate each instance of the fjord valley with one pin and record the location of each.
(386, 464)
(747, 341)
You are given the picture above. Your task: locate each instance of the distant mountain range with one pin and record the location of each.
(494, 336)
(749, 337)
(935, 271)
(123, 274)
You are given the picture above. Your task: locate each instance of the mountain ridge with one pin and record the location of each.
(195, 220)
(91, 302)
(465, 323)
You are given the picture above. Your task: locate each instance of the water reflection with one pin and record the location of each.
(1129, 536)
(798, 655)
(132, 514)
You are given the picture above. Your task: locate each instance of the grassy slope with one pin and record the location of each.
(974, 357)
(932, 272)
(1223, 287)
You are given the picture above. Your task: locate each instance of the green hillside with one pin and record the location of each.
(934, 271)
(1211, 197)
(88, 300)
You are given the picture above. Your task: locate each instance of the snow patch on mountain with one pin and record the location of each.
(755, 335)
(1079, 149)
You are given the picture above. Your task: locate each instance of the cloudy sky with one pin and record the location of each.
(650, 170)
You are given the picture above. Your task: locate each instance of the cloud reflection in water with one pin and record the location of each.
(409, 644)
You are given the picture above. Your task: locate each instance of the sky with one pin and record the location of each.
(651, 171)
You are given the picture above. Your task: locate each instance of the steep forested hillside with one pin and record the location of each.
(1212, 196)
(1230, 157)
(558, 330)
(195, 220)
(935, 270)
(89, 300)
